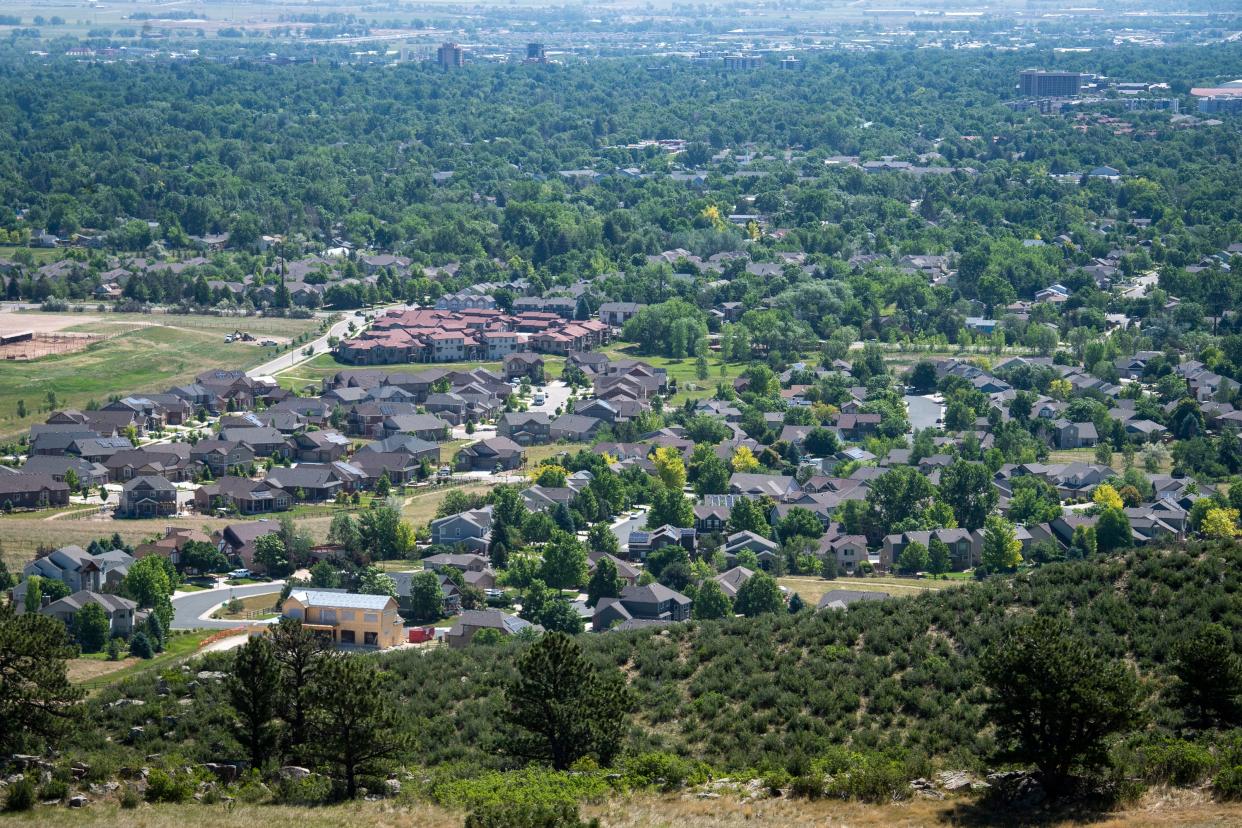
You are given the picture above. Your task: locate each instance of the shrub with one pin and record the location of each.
(807, 787)
(526, 815)
(532, 791)
(1228, 783)
(21, 796)
(866, 777)
(1177, 762)
(130, 798)
(167, 787)
(662, 770)
(54, 789)
(312, 790)
(140, 646)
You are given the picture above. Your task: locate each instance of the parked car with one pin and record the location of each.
(240, 573)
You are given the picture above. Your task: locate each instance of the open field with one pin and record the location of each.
(136, 357)
(811, 589)
(421, 508)
(1087, 455)
(681, 370)
(314, 370)
(95, 671)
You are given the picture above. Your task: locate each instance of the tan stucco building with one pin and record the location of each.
(349, 619)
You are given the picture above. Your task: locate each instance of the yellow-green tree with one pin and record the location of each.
(1106, 497)
(744, 460)
(670, 467)
(1220, 523)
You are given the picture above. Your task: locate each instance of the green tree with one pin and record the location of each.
(559, 708)
(799, 523)
(601, 538)
(34, 594)
(1055, 699)
(91, 627)
(426, 596)
(254, 686)
(201, 556)
(365, 735)
(564, 562)
(760, 594)
(1002, 551)
(670, 507)
(711, 602)
(149, 585)
(939, 560)
(604, 583)
(343, 532)
(896, 496)
(1112, 531)
(747, 516)
(914, 558)
(270, 553)
(298, 650)
(1209, 676)
(325, 576)
(967, 489)
(372, 581)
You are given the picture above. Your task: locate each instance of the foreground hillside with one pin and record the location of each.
(746, 714)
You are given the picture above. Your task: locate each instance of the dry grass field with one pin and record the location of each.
(1156, 810)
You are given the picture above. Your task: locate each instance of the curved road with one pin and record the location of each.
(292, 358)
(187, 608)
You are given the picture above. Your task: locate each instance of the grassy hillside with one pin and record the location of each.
(775, 693)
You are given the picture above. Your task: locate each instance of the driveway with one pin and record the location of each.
(187, 608)
(556, 393)
(923, 412)
(622, 528)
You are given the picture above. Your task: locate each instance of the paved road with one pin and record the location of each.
(187, 608)
(923, 412)
(295, 357)
(622, 529)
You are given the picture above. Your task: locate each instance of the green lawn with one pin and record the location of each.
(689, 386)
(315, 369)
(137, 359)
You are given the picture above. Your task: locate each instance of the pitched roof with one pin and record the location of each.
(346, 600)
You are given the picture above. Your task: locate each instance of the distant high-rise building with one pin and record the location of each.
(738, 63)
(450, 56)
(535, 53)
(791, 62)
(1036, 83)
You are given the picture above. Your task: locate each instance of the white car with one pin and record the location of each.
(540, 399)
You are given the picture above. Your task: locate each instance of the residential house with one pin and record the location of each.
(237, 540)
(643, 543)
(146, 497)
(653, 602)
(471, 621)
(23, 490)
(120, 612)
(347, 619)
(526, 428)
(79, 570)
(471, 530)
(493, 454)
(242, 495)
(523, 365)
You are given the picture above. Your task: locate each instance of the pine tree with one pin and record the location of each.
(558, 709)
(36, 698)
(361, 736)
(254, 687)
(604, 583)
(298, 651)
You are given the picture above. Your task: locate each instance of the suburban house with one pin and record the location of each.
(489, 455)
(80, 570)
(121, 612)
(242, 495)
(222, 455)
(308, 481)
(472, 529)
(347, 619)
(237, 540)
(526, 428)
(146, 497)
(32, 491)
(471, 621)
(654, 602)
(523, 365)
(643, 543)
